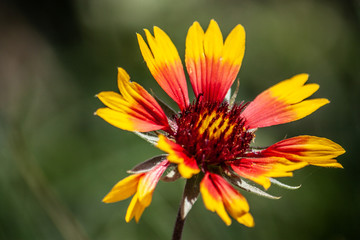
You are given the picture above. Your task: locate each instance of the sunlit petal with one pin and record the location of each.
(165, 65)
(283, 103)
(212, 198)
(134, 109)
(123, 189)
(310, 149)
(187, 166)
(212, 64)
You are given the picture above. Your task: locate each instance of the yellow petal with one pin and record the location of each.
(302, 93)
(114, 101)
(247, 220)
(135, 209)
(214, 203)
(234, 47)
(213, 41)
(194, 42)
(195, 57)
(187, 165)
(123, 120)
(307, 107)
(310, 149)
(123, 189)
(284, 88)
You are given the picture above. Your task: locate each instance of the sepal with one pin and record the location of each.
(172, 174)
(283, 185)
(191, 193)
(148, 136)
(148, 165)
(241, 183)
(234, 95)
(169, 112)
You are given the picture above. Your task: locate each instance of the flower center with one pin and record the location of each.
(212, 132)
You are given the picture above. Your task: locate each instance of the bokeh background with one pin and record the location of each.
(58, 160)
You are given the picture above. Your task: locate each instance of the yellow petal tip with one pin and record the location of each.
(246, 219)
(106, 199)
(305, 75)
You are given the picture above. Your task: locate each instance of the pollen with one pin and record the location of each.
(212, 132)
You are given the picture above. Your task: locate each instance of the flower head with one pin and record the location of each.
(209, 140)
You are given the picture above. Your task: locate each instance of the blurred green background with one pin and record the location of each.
(58, 160)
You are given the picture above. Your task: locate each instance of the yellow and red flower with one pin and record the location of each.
(210, 139)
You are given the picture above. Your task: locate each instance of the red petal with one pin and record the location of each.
(165, 65)
(283, 103)
(213, 65)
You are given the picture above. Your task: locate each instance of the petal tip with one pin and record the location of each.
(302, 77)
(138, 35)
(196, 23)
(156, 28)
(106, 199)
(213, 21)
(147, 33)
(305, 75)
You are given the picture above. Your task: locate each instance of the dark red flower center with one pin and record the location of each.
(212, 132)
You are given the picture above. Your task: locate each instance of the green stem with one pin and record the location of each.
(179, 225)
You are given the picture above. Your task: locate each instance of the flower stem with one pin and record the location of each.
(190, 195)
(179, 225)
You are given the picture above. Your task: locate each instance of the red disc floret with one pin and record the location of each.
(212, 132)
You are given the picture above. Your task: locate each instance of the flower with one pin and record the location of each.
(209, 140)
